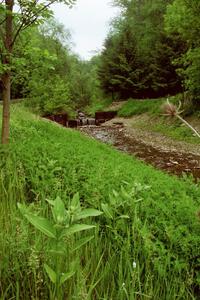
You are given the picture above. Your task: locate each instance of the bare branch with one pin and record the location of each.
(2, 21)
(17, 33)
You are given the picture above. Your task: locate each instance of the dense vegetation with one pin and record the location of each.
(146, 242)
(138, 55)
(152, 50)
(49, 75)
(80, 220)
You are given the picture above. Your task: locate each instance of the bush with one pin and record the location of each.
(50, 97)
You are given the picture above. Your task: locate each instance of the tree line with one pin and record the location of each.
(152, 50)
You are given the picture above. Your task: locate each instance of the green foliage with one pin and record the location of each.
(29, 14)
(188, 27)
(44, 70)
(176, 20)
(84, 83)
(138, 55)
(63, 226)
(151, 106)
(155, 122)
(192, 72)
(175, 131)
(150, 223)
(41, 72)
(51, 96)
(98, 105)
(47, 73)
(170, 128)
(136, 107)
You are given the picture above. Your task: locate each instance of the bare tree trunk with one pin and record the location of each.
(6, 78)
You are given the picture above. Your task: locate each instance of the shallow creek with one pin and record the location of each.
(175, 162)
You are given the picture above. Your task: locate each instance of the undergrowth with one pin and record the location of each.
(168, 126)
(151, 106)
(145, 245)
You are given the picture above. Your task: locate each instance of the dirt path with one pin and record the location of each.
(153, 148)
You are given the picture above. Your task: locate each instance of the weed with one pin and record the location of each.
(64, 225)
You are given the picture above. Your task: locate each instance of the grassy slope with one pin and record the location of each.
(161, 234)
(165, 125)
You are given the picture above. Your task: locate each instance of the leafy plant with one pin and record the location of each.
(64, 225)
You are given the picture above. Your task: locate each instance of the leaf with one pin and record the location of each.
(107, 210)
(75, 201)
(123, 217)
(115, 193)
(51, 202)
(57, 252)
(58, 210)
(66, 276)
(125, 194)
(42, 224)
(90, 212)
(77, 228)
(82, 242)
(23, 209)
(51, 273)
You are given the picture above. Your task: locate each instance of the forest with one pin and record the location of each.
(109, 211)
(151, 51)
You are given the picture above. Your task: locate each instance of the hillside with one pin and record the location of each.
(145, 244)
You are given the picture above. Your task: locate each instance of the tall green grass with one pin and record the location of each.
(146, 244)
(168, 126)
(139, 106)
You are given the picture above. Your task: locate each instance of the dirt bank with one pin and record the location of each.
(175, 157)
(154, 139)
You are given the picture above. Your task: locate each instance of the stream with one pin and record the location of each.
(174, 162)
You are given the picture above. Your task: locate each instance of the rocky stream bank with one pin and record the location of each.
(175, 157)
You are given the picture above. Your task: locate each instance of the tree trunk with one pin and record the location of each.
(6, 77)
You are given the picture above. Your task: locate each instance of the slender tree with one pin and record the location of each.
(11, 25)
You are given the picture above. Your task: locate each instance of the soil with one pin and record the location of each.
(176, 157)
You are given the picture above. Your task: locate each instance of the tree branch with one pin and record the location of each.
(2, 22)
(2, 35)
(26, 23)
